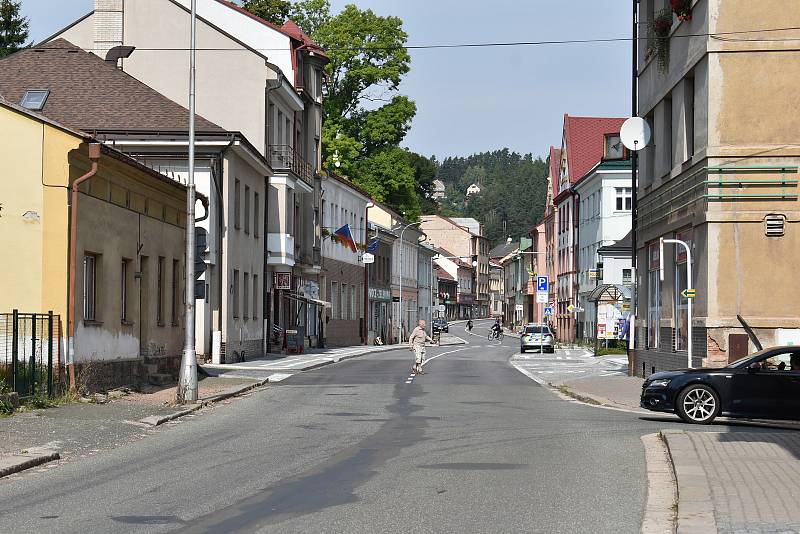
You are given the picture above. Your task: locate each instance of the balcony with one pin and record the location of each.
(283, 158)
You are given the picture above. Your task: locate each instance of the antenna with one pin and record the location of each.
(635, 133)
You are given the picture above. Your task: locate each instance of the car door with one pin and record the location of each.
(764, 390)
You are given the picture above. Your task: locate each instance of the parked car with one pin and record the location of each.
(764, 385)
(537, 336)
(440, 324)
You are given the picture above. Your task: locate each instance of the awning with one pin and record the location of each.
(609, 292)
(308, 300)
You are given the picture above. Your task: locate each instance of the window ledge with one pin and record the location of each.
(125, 322)
(161, 323)
(175, 324)
(92, 322)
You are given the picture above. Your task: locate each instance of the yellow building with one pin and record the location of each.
(129, 249)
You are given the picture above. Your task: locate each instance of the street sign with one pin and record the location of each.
(593, 274)
(368, 258)
(441, 307)
(689, 293)
(519, 307)
(570, 308)
(548, 311)
(541, 298)
(541, 284)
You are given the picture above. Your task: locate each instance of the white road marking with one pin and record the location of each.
(277, 377)
(441, 354)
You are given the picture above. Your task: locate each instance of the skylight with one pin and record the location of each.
(34, 99)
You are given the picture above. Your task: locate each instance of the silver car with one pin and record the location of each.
(538, 337)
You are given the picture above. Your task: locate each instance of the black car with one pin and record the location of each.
(764, 385)
(440, 324)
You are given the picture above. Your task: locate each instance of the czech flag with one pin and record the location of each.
(346, 235)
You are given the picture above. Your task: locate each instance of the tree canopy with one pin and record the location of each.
(13, 27)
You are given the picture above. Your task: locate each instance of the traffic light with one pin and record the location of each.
(200, 245)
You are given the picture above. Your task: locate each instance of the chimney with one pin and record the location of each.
(107, 25)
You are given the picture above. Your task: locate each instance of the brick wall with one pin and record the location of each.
(344, 329)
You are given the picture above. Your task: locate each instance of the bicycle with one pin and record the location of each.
(495, 335)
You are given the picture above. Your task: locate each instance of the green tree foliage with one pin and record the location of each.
(424, 175)
(366, 117)
(513, 191)
(274, 11)
(13, 27)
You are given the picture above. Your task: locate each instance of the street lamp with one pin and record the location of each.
(367, 206)
(406, 227)
(688, 291)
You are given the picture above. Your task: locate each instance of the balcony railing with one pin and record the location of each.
(284, 158)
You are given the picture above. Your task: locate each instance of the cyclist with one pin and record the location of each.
(469, 325)
(497, 328)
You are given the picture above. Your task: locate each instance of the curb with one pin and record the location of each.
(695, 506)
(662, 490)
(20, 462)
(156, 420)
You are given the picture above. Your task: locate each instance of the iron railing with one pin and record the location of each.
(30, 352)
(284, 157)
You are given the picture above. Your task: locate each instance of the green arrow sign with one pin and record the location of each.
(689, 293)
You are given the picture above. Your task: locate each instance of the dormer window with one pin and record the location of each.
(614, 148)
(34, 99)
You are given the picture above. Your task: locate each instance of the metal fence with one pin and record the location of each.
(30, 352)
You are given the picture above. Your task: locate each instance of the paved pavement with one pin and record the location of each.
(473, 445)
(568, 364)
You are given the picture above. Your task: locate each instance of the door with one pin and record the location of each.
(768, 388)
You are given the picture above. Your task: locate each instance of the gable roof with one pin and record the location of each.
(503, 249)
(623, 245)
(89, 94)
(555, 166)
(584, 138)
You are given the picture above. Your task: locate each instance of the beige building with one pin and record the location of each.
(463, 237)
(721, 174)
(256, 78)
(126, 323)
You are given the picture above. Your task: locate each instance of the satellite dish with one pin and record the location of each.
(635, 133)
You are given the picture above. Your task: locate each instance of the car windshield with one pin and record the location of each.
(537, 330)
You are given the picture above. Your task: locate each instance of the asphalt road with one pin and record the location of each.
(471, 446)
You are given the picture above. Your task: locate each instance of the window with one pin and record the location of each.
(624, 198)
(626, 277)
(255, 296)
(353, 303)
(246, 293)
(345, 308)
(688, 101)
(175, 291)
(34, 99)
(123, 293)
(235, 294)
(335, 300)
(90, 287)
(653, 297)
(236, 204)
(614, 148)
(256, 214)
(160, 293)
(247, 209)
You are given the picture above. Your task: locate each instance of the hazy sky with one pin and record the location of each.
(477, 99)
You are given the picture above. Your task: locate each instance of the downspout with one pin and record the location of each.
(94, 156)
(575, 224)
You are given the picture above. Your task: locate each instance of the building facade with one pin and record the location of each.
(720, 174)
(380, 286)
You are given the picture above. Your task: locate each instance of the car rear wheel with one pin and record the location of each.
(698, 404)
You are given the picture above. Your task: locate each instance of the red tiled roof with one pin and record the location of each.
(441, 273)
(585, 142)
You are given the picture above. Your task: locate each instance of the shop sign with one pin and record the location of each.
(376, 293)
(282, 281)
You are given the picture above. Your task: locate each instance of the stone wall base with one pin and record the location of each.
(102, 375)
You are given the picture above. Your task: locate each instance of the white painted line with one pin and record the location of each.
(441, 354)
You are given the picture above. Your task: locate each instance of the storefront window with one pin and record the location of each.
(681, 283)
(653, 296)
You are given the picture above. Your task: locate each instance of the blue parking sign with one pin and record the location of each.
(548, 311)
(541, 284)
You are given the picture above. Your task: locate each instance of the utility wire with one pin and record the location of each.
(716, 35)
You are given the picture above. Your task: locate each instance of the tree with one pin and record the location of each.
(388, 177)
(274, 11)
(13, 27)
(424, 175)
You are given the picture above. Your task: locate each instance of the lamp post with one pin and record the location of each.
(689, 298)
(406, 227)
(367, 206)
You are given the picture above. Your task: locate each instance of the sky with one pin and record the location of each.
(477, 99)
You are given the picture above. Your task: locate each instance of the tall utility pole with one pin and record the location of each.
(634, 189)
(187, 383)
(401, 275)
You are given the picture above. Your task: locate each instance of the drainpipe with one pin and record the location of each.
(94, 156)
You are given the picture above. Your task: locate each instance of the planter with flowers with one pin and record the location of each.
(658, 44)
(682, 8)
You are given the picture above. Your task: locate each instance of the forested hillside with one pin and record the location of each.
(513, 188)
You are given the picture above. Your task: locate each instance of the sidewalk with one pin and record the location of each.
(736, 481)
(280, 366)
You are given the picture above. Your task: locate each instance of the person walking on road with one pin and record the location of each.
(469, 325)
(416, 343)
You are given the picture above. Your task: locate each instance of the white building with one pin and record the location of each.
(438, 190)
(473, 189)
(604, 215)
